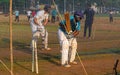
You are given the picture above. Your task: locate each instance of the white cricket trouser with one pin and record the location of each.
(36, 34)
(68, 55)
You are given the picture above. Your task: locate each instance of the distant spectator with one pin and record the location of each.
(17, 15)
(53, 13)
(89, 12)
(29, 14)
(33, 13)
(111, 16)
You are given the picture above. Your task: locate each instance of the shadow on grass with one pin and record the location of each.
(22, 47)
(50, 58)
(25, 48)
(104, 51)
(15, 62)
(112, 73)
(16, 45)
(109, 74)
(4, 43)
(54, 58)
(23, 66)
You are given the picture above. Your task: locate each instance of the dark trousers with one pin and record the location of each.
(53, 19)
(89, 28)
(111, 19)
(17, 18)
(28, 18)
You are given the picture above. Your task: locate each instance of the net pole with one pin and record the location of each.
(11, 46)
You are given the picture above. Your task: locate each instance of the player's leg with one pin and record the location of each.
(44, 36)
(35, 34)
(29, 18)
(53, 19)
(15, 18)
(85, 29)
(64, 48)
(111, 19)
(90, 30)
(46, 41)
(73, 51)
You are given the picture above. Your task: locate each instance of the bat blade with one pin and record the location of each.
(68, 25)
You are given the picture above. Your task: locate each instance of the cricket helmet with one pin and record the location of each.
(79, 14)
(47, 7)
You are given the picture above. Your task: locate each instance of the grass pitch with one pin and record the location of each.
(98, 55)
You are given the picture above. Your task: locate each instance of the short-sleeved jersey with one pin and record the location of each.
(29, 13)
(54, 12)
(74, 25)
(16, 13)
(110, 14)
(40, 15)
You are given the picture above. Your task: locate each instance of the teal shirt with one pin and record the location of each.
(74, 25)
(16, 13)
(54, 12)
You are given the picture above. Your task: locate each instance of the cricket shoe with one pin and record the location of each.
(66, 65)
(48, 49)
(74, 63)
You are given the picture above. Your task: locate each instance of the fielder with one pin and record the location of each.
(37, 24)
(67, 41)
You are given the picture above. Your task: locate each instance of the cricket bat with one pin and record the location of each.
(68, 25)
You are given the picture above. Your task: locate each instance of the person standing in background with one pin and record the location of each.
(111, 16)
(53, 13)
(16, 15)
(89, 13)
(33, 13)
(29, 14)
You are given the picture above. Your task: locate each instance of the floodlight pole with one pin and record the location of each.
(11, 46)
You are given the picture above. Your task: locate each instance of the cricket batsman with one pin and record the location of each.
(37, 25)
(67, 40)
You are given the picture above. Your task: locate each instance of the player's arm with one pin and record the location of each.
(36, 21)
(62, 24)
(46, 19)
(45, 22)
(75, 33)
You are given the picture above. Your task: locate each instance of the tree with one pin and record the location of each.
(4, 5)
(4, 1)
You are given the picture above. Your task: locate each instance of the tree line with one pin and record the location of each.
(25, 4)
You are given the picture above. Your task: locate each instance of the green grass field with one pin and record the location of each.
(98, 54)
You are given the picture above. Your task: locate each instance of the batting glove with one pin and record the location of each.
(69, 36)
